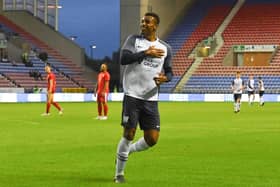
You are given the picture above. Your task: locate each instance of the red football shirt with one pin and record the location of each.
(102, 77)
(50, 77)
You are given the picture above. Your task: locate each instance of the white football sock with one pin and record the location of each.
(235, 106)
(261, 100)
(140, 145)
(122, 155)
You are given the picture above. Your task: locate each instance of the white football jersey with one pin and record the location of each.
(261, 85)
(250, 85)
(138, 77)
(237, 86)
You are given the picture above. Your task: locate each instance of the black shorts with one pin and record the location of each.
(237, 96)
(251, 92)
(261, 93)
(140, 111)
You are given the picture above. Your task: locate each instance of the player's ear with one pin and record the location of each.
(155, 27)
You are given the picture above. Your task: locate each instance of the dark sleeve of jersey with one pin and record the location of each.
(167, 66)
(127, 57)
(128, 53)
(232, 83)
(249, 85)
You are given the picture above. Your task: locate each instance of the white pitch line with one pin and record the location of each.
(23, 121)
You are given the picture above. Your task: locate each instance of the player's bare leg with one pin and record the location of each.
(105, 110)
(55, 104)
(48, 105)
(51, 102)
(238, 105)
(150, 139)
(99, 110)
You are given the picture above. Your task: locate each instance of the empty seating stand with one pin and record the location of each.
(256, 23)
(200, 22)
(68, 74)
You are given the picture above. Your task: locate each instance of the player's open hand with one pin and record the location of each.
(154, 52)
(161, 78)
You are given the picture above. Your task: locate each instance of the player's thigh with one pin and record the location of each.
(99, 98)
(102, 98)
(149, 116)
(50, 97)
(130, 112)
(105, 98)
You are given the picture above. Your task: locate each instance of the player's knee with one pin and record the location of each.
(151, 140)
(129, 133)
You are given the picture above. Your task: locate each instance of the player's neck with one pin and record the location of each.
(151, 37)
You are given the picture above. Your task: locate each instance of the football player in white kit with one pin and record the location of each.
(251, 90)
(147, 64)
(261, 91)
(237, 87)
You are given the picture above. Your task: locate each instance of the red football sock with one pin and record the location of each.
(99, 107)
(48, 107)
(56, 105)
(105, 109)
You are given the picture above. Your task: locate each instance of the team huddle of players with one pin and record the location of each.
(238, 86)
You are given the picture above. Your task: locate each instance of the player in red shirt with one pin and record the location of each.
(50, 91)
(102, 90)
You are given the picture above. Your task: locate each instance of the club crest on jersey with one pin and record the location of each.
(125, 119)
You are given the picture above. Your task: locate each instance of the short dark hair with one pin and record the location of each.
(154, 15)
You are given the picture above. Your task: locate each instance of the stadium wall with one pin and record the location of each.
(1, 7)
(170, 12)
(80, 97)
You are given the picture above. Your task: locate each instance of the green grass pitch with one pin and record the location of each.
(201, 144)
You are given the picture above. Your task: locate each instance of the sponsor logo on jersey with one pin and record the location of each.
(150, 62)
